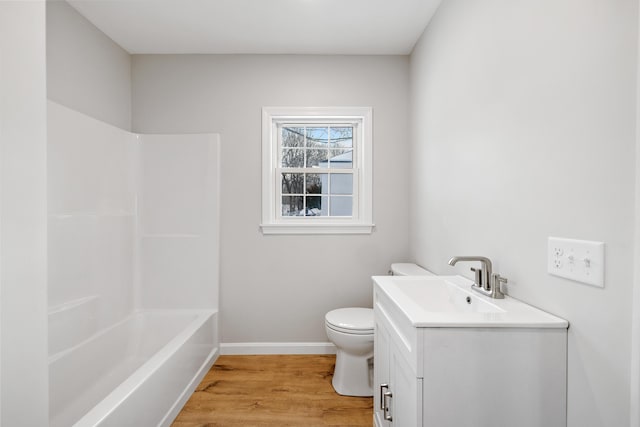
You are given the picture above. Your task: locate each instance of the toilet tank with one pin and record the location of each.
(408, 269)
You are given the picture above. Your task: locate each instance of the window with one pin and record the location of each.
(316, 170)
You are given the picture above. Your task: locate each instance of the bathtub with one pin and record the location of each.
(138, 372)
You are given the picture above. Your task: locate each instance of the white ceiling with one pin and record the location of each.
(261, 26)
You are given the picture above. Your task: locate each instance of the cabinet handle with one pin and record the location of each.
(387, 408)
(383, 387)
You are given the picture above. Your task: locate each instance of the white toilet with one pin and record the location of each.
(351, 330)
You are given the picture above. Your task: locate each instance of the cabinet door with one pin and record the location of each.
(406, 389)
(381, 369)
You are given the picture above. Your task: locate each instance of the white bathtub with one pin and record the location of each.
(139, 372)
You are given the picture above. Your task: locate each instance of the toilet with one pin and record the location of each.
(351, 331)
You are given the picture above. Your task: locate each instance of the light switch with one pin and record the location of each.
(579, 260)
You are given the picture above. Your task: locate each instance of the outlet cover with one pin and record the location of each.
(579, 260)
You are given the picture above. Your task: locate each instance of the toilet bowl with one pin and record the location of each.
(351, 331)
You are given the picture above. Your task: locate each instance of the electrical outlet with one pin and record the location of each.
(579, 260)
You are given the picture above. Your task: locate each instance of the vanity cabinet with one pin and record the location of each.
(397, 399)
(443, 375)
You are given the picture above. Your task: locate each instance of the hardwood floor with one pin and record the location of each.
(281, 390)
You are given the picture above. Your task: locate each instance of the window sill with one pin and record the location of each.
(317, 228)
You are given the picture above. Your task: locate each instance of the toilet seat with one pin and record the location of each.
(353, 320)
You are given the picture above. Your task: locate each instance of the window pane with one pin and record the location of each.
(292, 205)
(317, 137)
(341, 158)
(292, 183)
(292, 137)
(292, 158)
(316, 206)
(341, 206)
(317, 158)
(341, 137)
(324, 209)
(317, 183)
(342, 183)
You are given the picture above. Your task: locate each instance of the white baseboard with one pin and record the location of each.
(277, 348)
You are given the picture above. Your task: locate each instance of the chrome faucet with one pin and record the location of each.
(486, 281)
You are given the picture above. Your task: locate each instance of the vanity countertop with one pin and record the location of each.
(449, 302)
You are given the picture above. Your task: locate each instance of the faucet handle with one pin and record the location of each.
(497, 281)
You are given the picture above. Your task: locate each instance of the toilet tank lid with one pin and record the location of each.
(409, 269)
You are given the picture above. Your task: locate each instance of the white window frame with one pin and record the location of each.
(361, 222)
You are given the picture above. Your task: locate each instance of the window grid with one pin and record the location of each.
(329, 195)
(303, 131)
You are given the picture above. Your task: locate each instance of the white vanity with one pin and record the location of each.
(448, 357)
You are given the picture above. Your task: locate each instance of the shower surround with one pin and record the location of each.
(133, 270)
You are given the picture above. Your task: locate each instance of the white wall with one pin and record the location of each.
(523, 120)
(23, 215)
(86, 70)
(278, 288)
(635, 330)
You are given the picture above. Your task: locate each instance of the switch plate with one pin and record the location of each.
(579, 260)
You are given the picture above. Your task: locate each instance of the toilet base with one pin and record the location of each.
(353, 375)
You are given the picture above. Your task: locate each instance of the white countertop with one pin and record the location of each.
(448, 301)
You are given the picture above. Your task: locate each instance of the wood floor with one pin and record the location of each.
(291, 390)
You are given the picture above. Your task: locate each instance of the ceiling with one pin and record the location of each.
(354, 27)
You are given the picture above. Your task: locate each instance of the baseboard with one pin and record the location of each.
(277, 348)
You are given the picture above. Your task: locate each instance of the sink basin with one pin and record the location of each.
(443, 296)
(448, 301)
